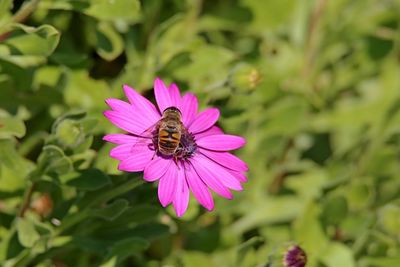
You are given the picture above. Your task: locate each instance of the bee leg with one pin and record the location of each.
(155, 152)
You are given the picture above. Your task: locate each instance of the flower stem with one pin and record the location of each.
(21, 15)
(119, 190)
(26, 200)
(25, 11)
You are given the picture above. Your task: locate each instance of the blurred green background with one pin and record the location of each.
(314, 86)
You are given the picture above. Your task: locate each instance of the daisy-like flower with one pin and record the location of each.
(200, 161)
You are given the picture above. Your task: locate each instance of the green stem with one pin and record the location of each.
(119, 190)
(24, 12)
(26, 200)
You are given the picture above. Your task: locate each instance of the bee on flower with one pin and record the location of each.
(175, 145)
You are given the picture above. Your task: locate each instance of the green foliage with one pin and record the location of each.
(312, 85)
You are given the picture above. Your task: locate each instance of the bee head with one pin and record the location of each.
(172, 109)
(172, 113)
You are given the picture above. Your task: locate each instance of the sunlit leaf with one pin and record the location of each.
(127, 10)
(337, 254)
(27, 234)
(29, 46)
(109, 42)
(11, 126)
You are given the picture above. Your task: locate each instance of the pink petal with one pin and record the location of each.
(121, 152)
(120, 138)
(162, 94)
(175, 95)
(188, 108)
(221, 142)
(125, 122)
(216, 172)
(137, 161)
(212, 131)
(198, 188)
(117, 104)
(238, 175)
(167, 185)
(140, 103)
(125, 109)
(210, 178)
(181, 199)
(204, 120)
(226, 159)
(156, 168)
(221, 173)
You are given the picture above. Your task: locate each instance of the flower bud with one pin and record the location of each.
(69, 133)
(43, 205)
(245, 77)
(295, 256)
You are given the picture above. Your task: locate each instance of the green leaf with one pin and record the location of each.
(52, 159)
(75, 115)
(360, 194)
(126, 247)
(84, 92)
(89, 179)
(337, 254)
(308, 184)
(112, 211)
(5, 6)
(47, 75)
(246, 249)
(27, 234)
(5, 14)
(13, 167)
(270, 210)
(208, 62)
(286, 117)
(121, 10)
(197, 259)
(389, 219)
(29, 46)
(110, 262)
(41, 41)
(11, 126)
(69, 133)
(278, 13)
(109, 43)
(380, 261)
(335, 210)
(56, 160)
(89, 124)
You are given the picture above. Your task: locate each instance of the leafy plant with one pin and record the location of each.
(312, 85)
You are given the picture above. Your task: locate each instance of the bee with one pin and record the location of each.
(170, 131)
(170, 137)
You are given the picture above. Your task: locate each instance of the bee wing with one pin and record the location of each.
(145, 137)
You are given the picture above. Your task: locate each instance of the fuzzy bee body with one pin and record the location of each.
(169, 136)
(170, 129)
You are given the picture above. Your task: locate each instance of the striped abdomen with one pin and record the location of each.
(168, 140)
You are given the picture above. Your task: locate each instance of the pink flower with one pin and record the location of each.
(200, 161)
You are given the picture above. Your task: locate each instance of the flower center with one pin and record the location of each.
(187, 146)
